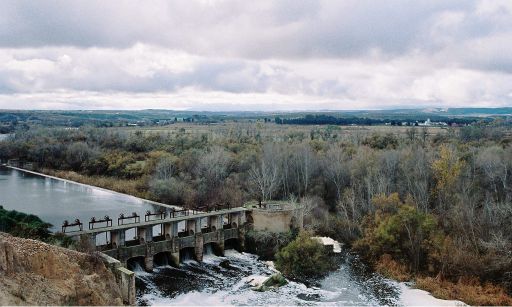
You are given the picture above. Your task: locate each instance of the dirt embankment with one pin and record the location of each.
(35, 273)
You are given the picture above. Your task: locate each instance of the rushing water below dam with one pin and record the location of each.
(215, 281)
(225, 281)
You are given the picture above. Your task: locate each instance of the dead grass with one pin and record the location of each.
(468, 289)
(392, 269)
(126, 186)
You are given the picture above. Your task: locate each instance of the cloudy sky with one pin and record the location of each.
(255, 55)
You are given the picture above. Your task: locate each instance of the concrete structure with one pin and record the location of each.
(331, 245)
(274, 217)
(22, 164)
(199, 228)
(125, 279)
(183, 232)
(170, 249)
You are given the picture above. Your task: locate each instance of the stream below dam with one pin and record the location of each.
(226, 281)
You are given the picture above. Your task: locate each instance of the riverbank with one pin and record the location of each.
(35, 273)
(468, 290)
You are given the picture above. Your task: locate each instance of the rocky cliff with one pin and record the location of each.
(35, 273)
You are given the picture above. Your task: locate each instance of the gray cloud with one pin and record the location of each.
(320, 54)
(228, 28)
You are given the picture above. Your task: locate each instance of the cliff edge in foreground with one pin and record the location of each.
(35, 273)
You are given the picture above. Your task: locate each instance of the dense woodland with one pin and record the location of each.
(429, 202)
(409, 120)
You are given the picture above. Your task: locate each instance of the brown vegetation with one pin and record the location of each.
(390, 268)
(468, 289)
(127, 186)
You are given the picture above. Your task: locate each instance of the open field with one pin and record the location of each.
(275, 131)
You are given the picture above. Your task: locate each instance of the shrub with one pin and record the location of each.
(304, 259)
(266, 244)
(379, 141)
(401, 230)
(23, 225)
(392, 269)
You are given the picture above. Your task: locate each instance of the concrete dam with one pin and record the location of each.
(178, 230)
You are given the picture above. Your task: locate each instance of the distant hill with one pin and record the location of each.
(473, 111)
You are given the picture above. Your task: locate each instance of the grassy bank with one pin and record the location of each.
(135, 187)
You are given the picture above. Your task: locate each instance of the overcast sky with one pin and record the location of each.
(255, 55)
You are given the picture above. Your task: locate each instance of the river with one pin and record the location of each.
(215, 281)
(225, 281)
(56, 200)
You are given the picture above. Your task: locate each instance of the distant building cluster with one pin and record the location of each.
(427, 123)
(430, 123)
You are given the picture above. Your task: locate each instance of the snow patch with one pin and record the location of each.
(416, 297)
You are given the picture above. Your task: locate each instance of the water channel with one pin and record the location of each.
(215, 281)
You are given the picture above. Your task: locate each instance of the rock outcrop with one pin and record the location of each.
(35, 273)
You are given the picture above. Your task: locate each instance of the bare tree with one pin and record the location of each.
(415, 170)
(387, 172)
(312, 211)
(411, 133)
(77, 154)
(165, 168)
(213, 166)
(304, 166)
(492, 163)
(265, 175)
(335, 168)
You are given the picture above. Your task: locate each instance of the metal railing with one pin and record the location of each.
(152, 216)
(66, 224)
(149, 216)
(133, 219)
(107, 220)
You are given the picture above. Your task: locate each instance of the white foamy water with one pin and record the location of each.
(227, 281)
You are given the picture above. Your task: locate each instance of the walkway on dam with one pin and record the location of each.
(151, 219)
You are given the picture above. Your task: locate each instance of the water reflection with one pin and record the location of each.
(55, 201)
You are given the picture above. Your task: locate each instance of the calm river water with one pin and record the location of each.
(56, 200)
